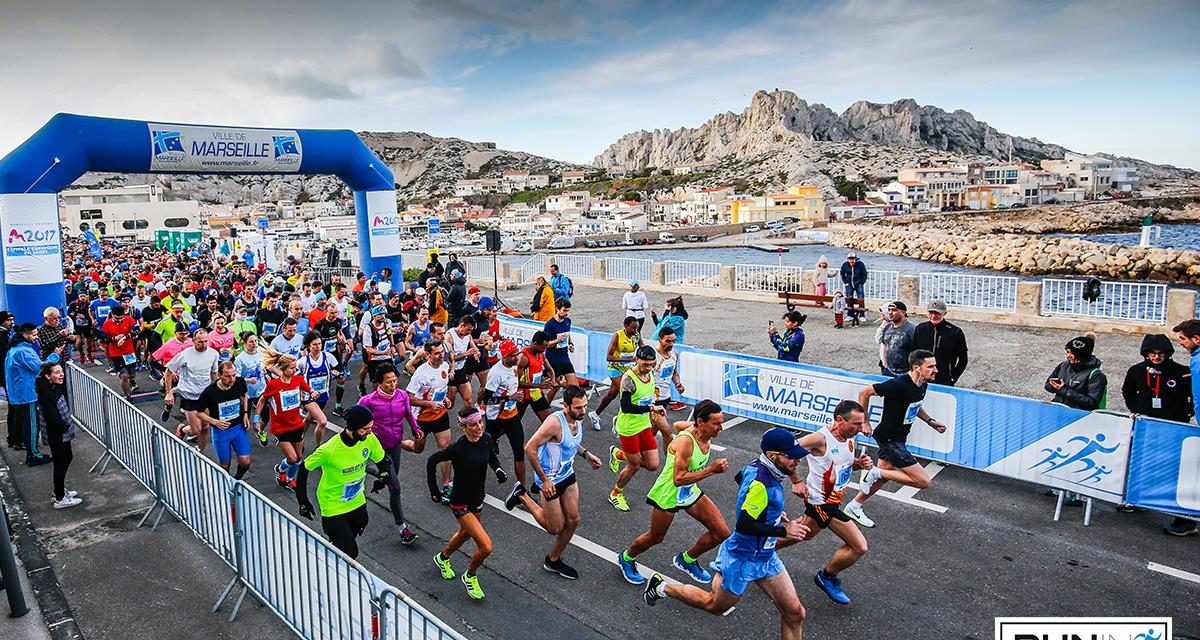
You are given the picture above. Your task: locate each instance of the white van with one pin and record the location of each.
(562, 242)
(666, 237)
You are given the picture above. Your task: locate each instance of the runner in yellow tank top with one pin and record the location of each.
(676, 488)
(620, 357)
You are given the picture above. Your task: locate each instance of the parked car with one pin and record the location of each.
(1104, 196)
(692, 237)
(523, 247)
(627, 242)
(1052, 201)
(666, 237)
(752, 229)
(591, 244)
(1018, 205)
(562, 242)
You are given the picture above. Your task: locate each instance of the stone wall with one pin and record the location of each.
(1026, 254)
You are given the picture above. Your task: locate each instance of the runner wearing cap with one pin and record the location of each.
(343, 464)
(378, 351)
(558, 329)
(634, 427)
(903, 397)
(487, 338)
(748, 555)
(500, 399)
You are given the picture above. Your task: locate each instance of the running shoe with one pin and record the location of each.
(678, 406)
(832, 586)
(595, 420)
(155, 376)
(629, 569)
(693, 569)
(514, 496)
(614, 463)
(854, 510)
(67, 502)
(407, 536)
(561, 568)
(473, 589)
(869, 477)
(654, 590)
(134, 387)
(291, 485)
(1182, 527)
(618, 501)
(446, 490)
(444, 566)
(337, 411)
(281, 477)
(262, 437)
(165, 415)
(362, 390)
(67, 493)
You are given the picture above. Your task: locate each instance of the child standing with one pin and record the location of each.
(839, 308)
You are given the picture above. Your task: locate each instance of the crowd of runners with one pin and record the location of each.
(251, 357)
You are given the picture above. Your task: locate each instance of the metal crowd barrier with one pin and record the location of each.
(1138, 301)
(693, 274)
(316, 590)
(968, 291)
(627, 269)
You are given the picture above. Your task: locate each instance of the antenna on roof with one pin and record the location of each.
(1010, 149)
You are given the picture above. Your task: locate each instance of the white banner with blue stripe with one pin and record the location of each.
(1165, 466)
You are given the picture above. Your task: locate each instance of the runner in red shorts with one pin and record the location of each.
(634, 429)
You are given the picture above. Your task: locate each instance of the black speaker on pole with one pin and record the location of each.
(492, 237)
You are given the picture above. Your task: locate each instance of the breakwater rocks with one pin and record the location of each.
(1096, 217)
(1026, 254)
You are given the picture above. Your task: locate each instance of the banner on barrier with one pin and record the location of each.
(1165, 466)
(521, 332)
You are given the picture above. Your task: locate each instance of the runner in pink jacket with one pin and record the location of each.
(391, 409)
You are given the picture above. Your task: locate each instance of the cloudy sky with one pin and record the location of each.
(564, 78)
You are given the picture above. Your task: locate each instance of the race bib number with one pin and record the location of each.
(319, 385)
(911, 414)
(537, 378)
(229, 410)
(646, 401)
(439, 395)
(330, 346)
(844, 474)
(770, 542)
(225, 355)
(351, 490)
(270, 328)
(510, 405)
(394, 325)
(129, 358)
(667, 372)
(562, 345)
(383, 345)
(685, 495)
(289, 400)
(102, 313)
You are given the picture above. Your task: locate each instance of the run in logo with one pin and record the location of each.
(1083, 628)
(1075, 461)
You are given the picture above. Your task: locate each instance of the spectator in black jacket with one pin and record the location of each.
(1158, 386)
(57, 429)
(947, 342)
(854, 278)
(1078, 381)
(6, 329)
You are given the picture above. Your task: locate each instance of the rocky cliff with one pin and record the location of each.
(783, 132)
(424, 166)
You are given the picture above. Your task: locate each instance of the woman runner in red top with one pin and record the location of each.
(284, 396)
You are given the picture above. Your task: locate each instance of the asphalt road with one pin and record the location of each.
(950, 558)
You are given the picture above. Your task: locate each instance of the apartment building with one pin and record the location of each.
(125, 213)
(802, 202)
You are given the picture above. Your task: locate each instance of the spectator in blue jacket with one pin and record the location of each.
(854, 278)
(674, 316)
(791, 343)
(1189, 338)
(560, 284)
(21, 366)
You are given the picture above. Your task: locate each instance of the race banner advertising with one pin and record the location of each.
(185, 148)
(383, 224)
(1164, 467)
(32, 246)
(521, 332)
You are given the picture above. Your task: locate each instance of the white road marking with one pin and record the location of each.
(933, 468)
(913, 501)
(1173, 572)
(593, 548)
(731, 423)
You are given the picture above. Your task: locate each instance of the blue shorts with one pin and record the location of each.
(235, 438)
(737, 574)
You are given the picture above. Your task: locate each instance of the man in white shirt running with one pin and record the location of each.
(195, 368)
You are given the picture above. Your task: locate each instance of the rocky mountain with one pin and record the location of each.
(780, 133)
(424, 166)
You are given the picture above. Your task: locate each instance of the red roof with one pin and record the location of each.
(912, 184)
(855, 203)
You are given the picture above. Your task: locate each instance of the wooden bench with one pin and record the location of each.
(792, 299)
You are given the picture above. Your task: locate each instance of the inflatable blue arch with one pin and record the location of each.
(31, 264)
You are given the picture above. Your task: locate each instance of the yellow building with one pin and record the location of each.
(802, 202)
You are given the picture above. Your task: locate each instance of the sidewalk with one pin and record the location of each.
(31, 626)
(120, 581)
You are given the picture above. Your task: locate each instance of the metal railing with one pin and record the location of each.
(1133, 301)
(627, 269)
(762, 277)
(575, 266)
(413, 260)
(881, 285)
(314, 588)
(970, 291)
(480, 267)
(693, 274)
(530, 269)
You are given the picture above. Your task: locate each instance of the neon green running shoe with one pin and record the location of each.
(443, 565)
(614, 463)
(473, 589)
(618, 501)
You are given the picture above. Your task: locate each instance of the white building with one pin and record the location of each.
(319, 209)
(125, 213)
(1091, 173)
(580, 200)
(334, 227)
(1125, 179)
(574, 177)
(855, 209)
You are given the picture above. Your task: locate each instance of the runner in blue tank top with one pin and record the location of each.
(551, 453)
(317, 366)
